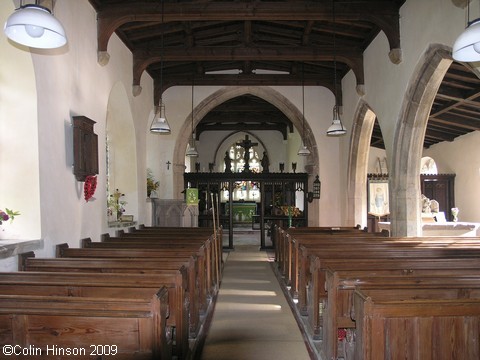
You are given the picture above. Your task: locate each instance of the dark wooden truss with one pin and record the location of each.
(269, 42)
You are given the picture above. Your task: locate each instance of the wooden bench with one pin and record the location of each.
(314, 278)
(208, 250)
(216, 235)
(197, 275)
(203, 249)
(282, 246)
(440, 329)
(108, 286)
(426, 284)
(340, 246)
(291, 260)
(197, 252)
(124, 266)
(49, 326)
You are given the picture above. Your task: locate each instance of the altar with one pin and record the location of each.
(442, 228)
(243, 212)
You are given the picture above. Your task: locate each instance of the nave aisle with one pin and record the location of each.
(252, 318)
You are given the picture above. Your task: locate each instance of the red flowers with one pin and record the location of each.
(89, 187)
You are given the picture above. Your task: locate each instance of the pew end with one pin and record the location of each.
(60, 249)
(22, 259)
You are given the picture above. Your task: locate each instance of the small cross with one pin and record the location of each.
(168, 165)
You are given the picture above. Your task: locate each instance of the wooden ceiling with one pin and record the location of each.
(274, 42)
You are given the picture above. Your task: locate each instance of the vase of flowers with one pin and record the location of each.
(152, 184)
(455, 214)
(116, 206)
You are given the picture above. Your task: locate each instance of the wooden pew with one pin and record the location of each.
(341, 246)
(291, 260)
(436, 284)
(196, 250)
(440, 329)
(207, 258)
(282, 246)
(217, 236)
(53, 327)
(152, 266)
(314, 278)
(210, 249)
(197, 274)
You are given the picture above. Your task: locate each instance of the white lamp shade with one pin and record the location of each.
(160, 123)
(35, 26)
(464, 48)
(336, 129)
(303, 151)
(191, 151)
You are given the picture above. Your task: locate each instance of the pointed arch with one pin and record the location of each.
(358, 164)
(409, 137)
(224, 94)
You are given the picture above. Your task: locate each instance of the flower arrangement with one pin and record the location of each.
(116, 206)
(89, 188)
(8, 215)
(152, 184)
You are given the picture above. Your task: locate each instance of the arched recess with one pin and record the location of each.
(409, 137)
(364, 121)
(224, 94)
(121, 148)
(19, 139)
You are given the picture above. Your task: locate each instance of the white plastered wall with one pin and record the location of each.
(70, 82)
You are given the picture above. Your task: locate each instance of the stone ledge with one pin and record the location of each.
(9, 248)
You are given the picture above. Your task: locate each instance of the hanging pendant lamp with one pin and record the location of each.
(337, 128)
(467, 46)
(191, 151)
(34, 26)
(159, 123)
(303, 151)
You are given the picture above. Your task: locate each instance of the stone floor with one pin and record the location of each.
(252, 318)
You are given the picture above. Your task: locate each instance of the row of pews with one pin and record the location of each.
(143, 294)
(366, 296)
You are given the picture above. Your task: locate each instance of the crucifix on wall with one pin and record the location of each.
(247, 144)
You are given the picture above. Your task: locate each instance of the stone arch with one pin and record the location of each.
(358, 163)
(409, 137)
(224, 94)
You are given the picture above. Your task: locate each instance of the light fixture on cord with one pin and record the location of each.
(303, 151)
(337, 128)
(159, 123)
(34, 26)
(467, 46)
(191, 151)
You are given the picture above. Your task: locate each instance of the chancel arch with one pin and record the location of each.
(224, 94)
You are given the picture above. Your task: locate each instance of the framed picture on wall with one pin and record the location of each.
(377, 196)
